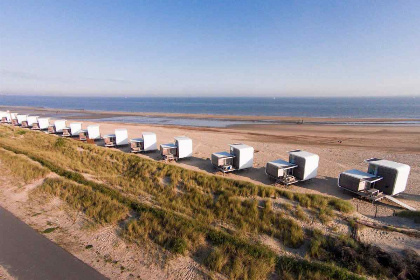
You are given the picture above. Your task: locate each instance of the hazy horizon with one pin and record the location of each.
(92, 95)
(210, 48)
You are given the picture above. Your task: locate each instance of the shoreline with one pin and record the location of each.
(231, 120)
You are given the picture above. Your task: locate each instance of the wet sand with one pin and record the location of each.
(89, 114)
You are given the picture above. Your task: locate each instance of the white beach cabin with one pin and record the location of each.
(182, 148)
(241, 156)
(383, 178)
(6, 117)
(301, 166)
(60, 125)
(21, 119)
(147, 143)
(3, 116)
(32, 120)
(90, 134)
(57, 127)
(43, 123)
(394, 175)
(120, 138)
(93, 132)
(184, 145)
(75, 129)
(13, 119)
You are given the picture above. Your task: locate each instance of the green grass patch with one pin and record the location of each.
(94, 204)
(300, 214)
(361, 258)
(21, 167)
(49, 230)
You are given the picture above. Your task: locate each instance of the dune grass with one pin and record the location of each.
(206, 198)
(136, 175)
(95, 205)
(362, 258)
(185, 208)
(21, 167)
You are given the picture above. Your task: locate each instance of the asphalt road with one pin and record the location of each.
(27, 254)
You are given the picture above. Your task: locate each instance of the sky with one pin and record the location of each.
(210, 48)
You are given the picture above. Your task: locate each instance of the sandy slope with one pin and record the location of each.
(110, 254)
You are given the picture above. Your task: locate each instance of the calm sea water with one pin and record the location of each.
(395, 107)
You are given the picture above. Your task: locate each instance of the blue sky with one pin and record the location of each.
(207, 48)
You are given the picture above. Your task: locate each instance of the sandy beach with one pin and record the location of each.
(340, 147)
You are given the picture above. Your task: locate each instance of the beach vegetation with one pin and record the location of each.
(300, 214)
(95, 205)
(184, 211)
(21, 167)
(344, 251)
(49, 230)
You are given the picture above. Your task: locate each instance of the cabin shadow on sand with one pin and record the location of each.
(202, 164)
(325, 185)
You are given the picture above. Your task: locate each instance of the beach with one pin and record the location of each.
(340, 146)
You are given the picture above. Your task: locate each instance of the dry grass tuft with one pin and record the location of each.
(21, 167)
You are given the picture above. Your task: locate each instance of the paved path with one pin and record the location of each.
(27, 254)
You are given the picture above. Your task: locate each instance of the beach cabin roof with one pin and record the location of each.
(360, 175)
(302, 154)
(169, 145)
(240, 146)
(32, 120)
(282, 164)
(21, 118)
(223, 155)
(109, 135)
(148, 133)
(386, 163)
(181, 138)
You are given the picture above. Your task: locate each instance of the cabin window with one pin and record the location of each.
(372, 169)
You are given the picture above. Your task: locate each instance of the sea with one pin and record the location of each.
(321, 107)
